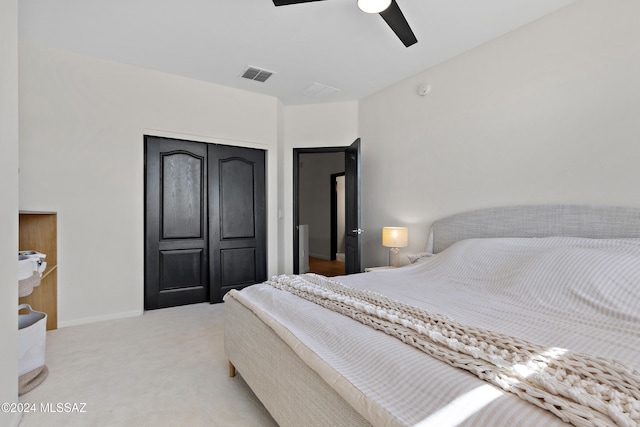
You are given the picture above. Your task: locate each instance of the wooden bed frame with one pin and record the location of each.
(295, 395)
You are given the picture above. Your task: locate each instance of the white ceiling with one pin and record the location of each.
(329, 42)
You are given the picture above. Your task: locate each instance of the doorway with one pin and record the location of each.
(205, 221)
(315, 237)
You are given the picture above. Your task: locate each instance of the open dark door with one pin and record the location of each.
(352, 208)
(352, 203)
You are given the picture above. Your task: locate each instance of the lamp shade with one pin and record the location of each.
(395, 237)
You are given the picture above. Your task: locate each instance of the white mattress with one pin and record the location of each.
(579, 294)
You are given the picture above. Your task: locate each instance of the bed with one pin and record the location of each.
(557, 283)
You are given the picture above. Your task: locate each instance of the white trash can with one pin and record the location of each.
(32, 336)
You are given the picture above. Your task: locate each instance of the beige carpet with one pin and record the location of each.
(165, 368)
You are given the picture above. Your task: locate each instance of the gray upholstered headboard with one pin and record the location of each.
(592, 221)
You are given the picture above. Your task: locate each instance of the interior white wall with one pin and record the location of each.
(9, 208)
(281, 184)
(82, 122)
(305, 126)
(548, 113)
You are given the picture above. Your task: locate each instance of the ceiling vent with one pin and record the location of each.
(319, 91)
(257, 74)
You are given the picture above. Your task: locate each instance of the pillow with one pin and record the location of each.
(413, 258)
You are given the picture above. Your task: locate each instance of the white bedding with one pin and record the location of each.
(580, 294)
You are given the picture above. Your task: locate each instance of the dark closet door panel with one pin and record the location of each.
(176, 237)
(237, 202)
(182, 195)
(237, 218)
(181, 269)
(238, 267)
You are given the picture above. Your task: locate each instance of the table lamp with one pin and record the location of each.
(395, 238)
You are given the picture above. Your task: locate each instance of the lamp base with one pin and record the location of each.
(394, 257)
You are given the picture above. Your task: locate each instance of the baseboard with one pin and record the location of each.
(320, 256)
(84, 321)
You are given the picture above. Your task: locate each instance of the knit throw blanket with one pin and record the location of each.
(580, 389)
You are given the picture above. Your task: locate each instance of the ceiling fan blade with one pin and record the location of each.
(286, 2)
(395, 19)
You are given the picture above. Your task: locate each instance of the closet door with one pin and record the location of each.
(237, 218)
(176, 226)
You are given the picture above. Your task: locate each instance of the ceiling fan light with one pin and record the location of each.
(373, 6)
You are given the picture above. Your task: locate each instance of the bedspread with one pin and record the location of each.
(581, 389)
(579, 294)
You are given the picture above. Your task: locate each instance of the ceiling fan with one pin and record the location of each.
(388, 9)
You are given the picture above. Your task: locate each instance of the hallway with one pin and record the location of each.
(325, 267)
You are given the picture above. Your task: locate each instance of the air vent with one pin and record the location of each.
(319, 91)
(257, 74)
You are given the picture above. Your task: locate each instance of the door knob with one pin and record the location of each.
(358, 231)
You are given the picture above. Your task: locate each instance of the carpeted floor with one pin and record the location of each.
(165, 368)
